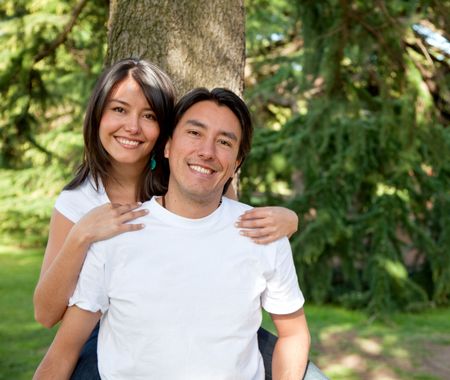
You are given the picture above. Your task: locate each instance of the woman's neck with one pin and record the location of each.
(121, 185)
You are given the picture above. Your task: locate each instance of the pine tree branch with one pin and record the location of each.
(49, 49)
(378, 36)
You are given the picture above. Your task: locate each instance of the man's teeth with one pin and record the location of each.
(201, 169)
(127, 142)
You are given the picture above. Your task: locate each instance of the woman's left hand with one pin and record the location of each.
(267, 224)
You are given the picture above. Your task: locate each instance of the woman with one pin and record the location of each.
(124, 126)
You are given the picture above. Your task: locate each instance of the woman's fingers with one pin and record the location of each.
(257, 213)
(261, 235)
(130, 215)
(267, 224)
(258, 232)
(252, 223)
(131, 227)
(122, 209)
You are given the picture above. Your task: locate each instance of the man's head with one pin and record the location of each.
(210, 139)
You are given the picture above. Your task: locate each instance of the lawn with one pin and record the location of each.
(346, 344)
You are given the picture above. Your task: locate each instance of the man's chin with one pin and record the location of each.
(205, 197)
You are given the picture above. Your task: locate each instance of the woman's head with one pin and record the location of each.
(160, 95)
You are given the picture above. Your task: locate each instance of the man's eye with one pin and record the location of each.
(194, 133)
(225, 143)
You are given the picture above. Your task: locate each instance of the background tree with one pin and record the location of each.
(51, 55)
(351, 102)
(198, 43)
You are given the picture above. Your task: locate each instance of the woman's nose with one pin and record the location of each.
(132, 125)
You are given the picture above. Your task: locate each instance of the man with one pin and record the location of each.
(181, 299)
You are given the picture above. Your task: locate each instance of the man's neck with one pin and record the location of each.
(189, 207)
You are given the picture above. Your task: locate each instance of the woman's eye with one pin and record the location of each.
(118, 109)
(150, 116)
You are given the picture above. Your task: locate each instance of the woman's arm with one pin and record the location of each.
(66, 250)
(65, 349)
(267, 224)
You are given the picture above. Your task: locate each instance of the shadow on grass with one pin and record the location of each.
(346, 345)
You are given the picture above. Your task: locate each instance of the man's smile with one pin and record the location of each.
(201, 169)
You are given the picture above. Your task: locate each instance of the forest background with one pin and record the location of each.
(351, 104)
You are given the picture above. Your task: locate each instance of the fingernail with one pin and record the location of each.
(242, 232)
(236, 224)
(139, 203)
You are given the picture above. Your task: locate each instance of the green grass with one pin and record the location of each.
(346, 344)
(23, 342)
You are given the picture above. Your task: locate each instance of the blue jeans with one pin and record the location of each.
(87, 369)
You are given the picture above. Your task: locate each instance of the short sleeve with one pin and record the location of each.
(69, 204)
(283, 294)
(90, 293)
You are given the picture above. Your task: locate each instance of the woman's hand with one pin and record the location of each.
(66, 250)
(108, 220)
(267, 224)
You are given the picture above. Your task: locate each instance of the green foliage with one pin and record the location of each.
(352, 101)
(47, 69)
(351, 104)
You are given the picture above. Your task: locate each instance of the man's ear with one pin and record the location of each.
(237, 165)
(167, 148)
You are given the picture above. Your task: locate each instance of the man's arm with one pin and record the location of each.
(290, 355)
(62, 356)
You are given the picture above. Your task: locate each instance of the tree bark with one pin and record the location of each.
(197, 42)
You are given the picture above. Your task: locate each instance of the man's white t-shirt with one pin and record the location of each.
(181, 299)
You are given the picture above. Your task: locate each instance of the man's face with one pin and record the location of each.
(203, 152)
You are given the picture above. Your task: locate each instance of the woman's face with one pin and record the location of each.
(128, 127)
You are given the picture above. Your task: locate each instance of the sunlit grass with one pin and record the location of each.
(346, 344)
(22, 341)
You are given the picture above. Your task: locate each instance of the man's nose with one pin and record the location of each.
(207, 149)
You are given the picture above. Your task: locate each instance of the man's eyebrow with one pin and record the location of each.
(198, 123)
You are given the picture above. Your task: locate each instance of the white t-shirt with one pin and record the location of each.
(181, 298)
(74, 204)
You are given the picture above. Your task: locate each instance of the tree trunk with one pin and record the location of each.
(197, 42)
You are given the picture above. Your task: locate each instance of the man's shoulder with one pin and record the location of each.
(235, 206)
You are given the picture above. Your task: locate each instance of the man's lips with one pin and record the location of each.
(201, 169)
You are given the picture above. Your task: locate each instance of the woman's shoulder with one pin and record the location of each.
(75, 203)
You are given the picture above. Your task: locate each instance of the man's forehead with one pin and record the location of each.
(208, 113)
